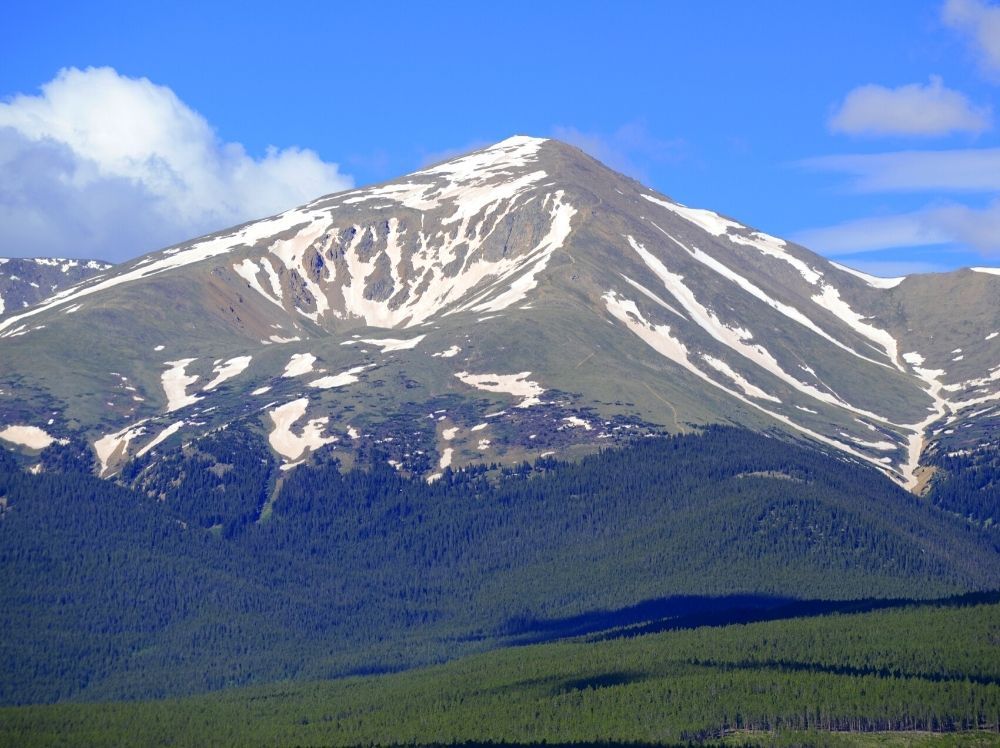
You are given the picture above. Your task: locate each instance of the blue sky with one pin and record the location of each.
(865, 129)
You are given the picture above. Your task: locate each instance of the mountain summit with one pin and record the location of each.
(517, 302)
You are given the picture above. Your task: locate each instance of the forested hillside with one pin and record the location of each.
(830, 680)
(969, 485)
(211, 581)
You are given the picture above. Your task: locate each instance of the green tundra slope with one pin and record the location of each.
(808, 681)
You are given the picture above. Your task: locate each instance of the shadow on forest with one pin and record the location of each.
(692, 611)
(608, 744)
(812, 667)
(604, 680)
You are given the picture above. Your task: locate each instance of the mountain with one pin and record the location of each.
(517, 302)
(236, 460)
(25, 282)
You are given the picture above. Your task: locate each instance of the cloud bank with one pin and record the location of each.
(102, 165)
(912, 110)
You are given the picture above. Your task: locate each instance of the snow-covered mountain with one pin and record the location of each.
(27, 281)
(519, 301)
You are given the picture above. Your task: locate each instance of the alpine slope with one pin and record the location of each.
(517, 302)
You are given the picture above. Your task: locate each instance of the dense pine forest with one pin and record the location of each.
(925, 672)
(237, 573)
(969, 484)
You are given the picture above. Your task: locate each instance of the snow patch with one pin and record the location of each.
(511, 384)
(31, 437)
(228, 370)
(577, 422)
(108, 446)
(718, 226)
(750, 389)
(291, 252)
(771, 246)
(161, 437)
(758, 293)
(339, 380)
(389, 344)
(468, 184)
(871, 280)
(733, 337)
(248, 271)
(706, 220)
(288, 444)
(299, 364)
(175, 384)
(660, 339)
(536, 260)
(830, 300)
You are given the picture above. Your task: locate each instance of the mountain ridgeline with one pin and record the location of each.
(530, 301)
(25, 282)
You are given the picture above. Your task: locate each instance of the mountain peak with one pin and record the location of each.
(523, 269)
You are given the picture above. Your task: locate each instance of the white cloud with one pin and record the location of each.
(980, 21)
(104, 165)
(626, 149)
(951, 223)
(961, 170)
(913, 109)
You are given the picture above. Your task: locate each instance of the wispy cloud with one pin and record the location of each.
(920, 110)
(99, 164)
(944, 224)
(436, 157)
(979, 21)
(872, 234)
(960, 170)
(630, 149)
(911, 110)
